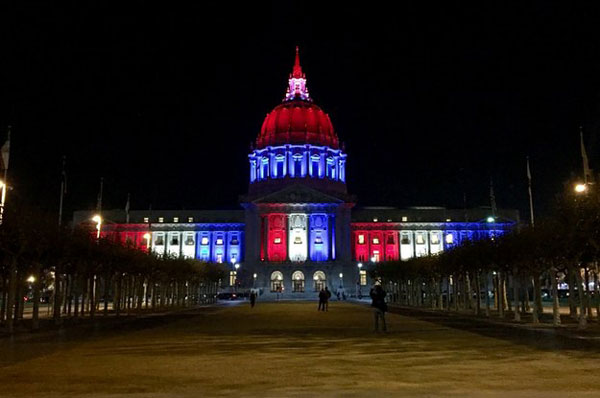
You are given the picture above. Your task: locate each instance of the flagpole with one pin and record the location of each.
(530, 193)
(5, 156)
(127, 209)
(99, 204)
(62, 191)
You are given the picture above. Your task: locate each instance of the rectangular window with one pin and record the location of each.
(159, 240)
(175, 240)
(161, 219)
(190, 219)
(318, 240)
(449, 239)
(404, 219)
(146, 219)
(361, 239)
(297, 240)
(363, 277)
(405, 239)
(420, 240)
(204, 240)
(234, 241)
(277, 241)
(435, 238)
(175, 219)
(219, 241)
(375, 241)
(390, 240)
(232, 278)
(189, 241)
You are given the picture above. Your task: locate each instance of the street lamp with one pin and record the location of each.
(580, 188)
(147, 236)
(254, 280)
(98, 220)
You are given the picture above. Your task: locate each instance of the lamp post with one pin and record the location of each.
(147, 236)
(254, 280)
(98, 220)
(579, 188)
(236, 266)
(359, 283)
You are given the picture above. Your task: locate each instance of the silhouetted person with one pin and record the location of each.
(322, 300)
(327, 298)
(379, 306)
(252, 298)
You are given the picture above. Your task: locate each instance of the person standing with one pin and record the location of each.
(252, 298)
(379, 306)
(322, 300)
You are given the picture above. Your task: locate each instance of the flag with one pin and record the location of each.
(587, 175)
(6, 151)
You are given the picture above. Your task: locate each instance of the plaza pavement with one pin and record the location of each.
(288, 349)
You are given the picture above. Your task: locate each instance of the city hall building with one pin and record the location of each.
(297, 229)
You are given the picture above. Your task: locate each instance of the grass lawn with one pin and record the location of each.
(288, 349)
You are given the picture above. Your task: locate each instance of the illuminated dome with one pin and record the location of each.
(297, 120)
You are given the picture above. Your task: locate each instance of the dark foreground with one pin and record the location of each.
(290, 349)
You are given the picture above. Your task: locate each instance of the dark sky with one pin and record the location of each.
(164, 101)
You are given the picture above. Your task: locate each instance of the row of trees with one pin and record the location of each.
(510, 272)
(81, 276)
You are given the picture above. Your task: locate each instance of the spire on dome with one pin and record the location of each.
(297, 82)
(297, 71)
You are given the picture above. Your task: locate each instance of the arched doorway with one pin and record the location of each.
(276, 281)
(298, 282)
(320, 280)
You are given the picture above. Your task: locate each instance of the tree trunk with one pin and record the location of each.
(537, 294)
(597, 295)
(106, 286)
(527, 301)
(572, 305)
(555, 302)
(477, 293)
(12, 291)
(487, 294)
(588, 296)
(501, 295)
(35, 317)
(3, 297)
(534, 311)
(92, 296)
(581, 293)
(516, 305)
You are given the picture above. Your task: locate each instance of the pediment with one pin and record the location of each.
(297, 194)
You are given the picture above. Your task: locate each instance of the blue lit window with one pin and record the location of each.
(279, 166)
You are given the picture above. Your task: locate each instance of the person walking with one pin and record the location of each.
(252, 298)
(379, 306)
(322, 300)
(327, 297)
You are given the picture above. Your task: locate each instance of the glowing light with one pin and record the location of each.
(31, 279)
(237, 266)
(254, 276)
(490, 219)
(341, 275)
(580, 188)
(98, 220)
(360, 265)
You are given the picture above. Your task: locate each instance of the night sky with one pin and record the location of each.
(431, 102)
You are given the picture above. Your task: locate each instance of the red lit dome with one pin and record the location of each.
(297, 122)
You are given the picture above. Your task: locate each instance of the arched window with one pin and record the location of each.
(298, 282)
(320, 280)
(276, 281)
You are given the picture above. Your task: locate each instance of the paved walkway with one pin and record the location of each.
(288, 349)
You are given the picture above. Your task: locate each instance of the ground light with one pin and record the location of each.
(490, 219)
